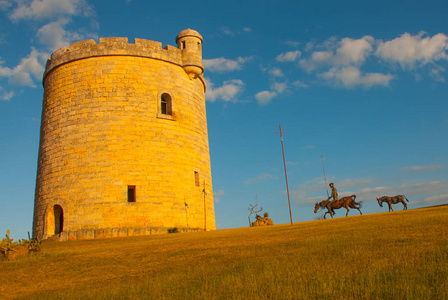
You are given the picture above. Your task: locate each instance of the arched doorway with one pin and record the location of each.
(58, 219)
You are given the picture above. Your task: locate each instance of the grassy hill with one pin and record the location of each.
(397, 255)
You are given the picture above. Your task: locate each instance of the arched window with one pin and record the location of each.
(166, 104)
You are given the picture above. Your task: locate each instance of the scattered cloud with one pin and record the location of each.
(260, 178)
(5, 5)
(217, 195)
(5, 96)
(428, 168)
(29, 67)
(230, 32)
(264, 97)
(346, 52)
(436, 73)
(299, 84)
(222, 64)
(227, 92)
(351, 77)
(409, 50)
(279, 87)
(288, 56)
(49, 9)
(55, 36)
(437, 199)
(293, 43)
(276, 72)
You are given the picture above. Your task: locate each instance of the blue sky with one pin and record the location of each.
(361, 83)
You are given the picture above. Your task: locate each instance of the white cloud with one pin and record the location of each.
(288, 56)
(55, 36)
(222, 64)
(217, 195)
(279, 87)
(48, 9)
(436, 73)
(408, 50)
(6, 96)
(227, 92)
(276, 72)
(427, 168)
(227, 31)
(300, 84)
(30, 67)
(351, 77)
(353, 51)
(345, 52)
(260, 178)
(437, 199)
(5, 5)
(264, 97)
(293, 43)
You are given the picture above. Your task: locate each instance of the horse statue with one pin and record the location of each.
(393, 200)
(343, 202)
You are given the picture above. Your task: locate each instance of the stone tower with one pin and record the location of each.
(123, 143)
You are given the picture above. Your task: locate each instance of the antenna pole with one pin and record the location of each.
(322, 158)
(205, 210)
(286, 175)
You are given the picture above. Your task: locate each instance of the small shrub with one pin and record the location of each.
(173, 230)
(266, 214)
(7, 244)
(12, 250)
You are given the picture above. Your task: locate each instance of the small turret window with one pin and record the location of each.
(183, 45)
(165, 104)
(196, 178)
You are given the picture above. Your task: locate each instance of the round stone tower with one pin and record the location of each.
(123, 144)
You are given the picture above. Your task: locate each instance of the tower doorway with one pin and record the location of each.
(58, 219)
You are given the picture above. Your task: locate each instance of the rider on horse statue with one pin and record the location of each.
(334, 195)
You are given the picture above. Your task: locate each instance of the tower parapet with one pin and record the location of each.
(188, 58)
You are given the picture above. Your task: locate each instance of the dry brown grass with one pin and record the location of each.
(399, 255)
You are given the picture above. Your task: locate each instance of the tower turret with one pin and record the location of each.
(190, 43)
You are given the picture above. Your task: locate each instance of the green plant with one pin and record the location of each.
(266, 214)
(7, 245)
(33, 245)
(173, 230)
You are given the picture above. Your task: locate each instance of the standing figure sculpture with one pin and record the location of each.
(334, 195)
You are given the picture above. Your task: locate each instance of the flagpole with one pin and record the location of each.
(205, 211)
(286, 175)
(325, 178)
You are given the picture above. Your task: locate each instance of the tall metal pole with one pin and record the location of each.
(322, 158)
(205, 210)
(286, 175)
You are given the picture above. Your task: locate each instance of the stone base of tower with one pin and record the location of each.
(89, 234)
